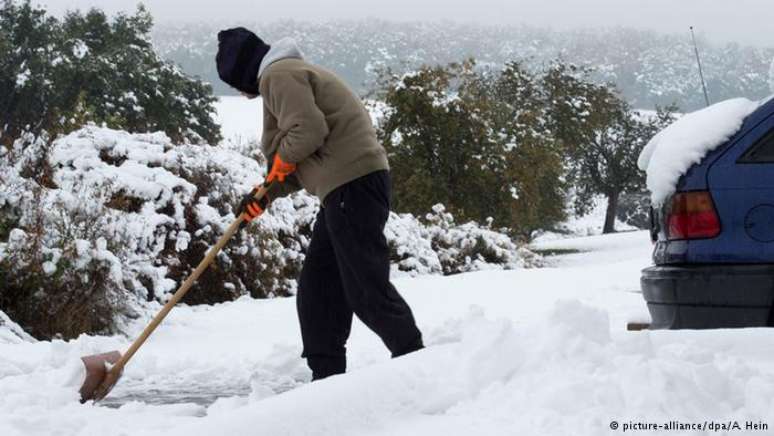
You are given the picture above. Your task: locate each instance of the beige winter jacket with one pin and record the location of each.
(311, 118)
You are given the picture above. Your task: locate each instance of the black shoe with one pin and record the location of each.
(415, 346)
(326, 366)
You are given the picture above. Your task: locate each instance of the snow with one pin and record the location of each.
(240, 118)
(527, 351)
(22, 78)
(686, 141)
(80, 49)
(49, 267)
(11, 333)
(589, 224)
(510, 350)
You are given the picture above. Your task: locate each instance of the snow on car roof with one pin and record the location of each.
(685, 142)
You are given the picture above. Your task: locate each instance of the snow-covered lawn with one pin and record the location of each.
(530, 351)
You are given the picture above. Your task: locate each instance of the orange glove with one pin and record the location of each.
(252, 207)
(280, 169)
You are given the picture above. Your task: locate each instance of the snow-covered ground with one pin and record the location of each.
(526, 351)
(529, 351)
(589, 224)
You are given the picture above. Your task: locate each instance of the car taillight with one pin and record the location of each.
(693, 216)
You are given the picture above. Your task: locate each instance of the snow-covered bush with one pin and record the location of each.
(440, 246)
(470, 247)
(100, 218)
(175, 202)
(98, 221)
(59, 276)
(60, 287)
(410, 248)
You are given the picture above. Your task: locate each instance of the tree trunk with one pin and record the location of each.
(612, 206)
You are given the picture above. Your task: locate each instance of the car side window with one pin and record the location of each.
(760, 152)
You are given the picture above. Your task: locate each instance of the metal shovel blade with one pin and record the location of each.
(96, 375)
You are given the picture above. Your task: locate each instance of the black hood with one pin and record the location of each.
(239, 57)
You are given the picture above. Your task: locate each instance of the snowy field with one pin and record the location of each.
(531, 351)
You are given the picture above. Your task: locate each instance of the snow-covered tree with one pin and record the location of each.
(472, 142)
(601, 135)
(55, 75)
(530, 150)
(650, 68)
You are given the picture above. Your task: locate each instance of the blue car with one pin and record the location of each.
(714, 238)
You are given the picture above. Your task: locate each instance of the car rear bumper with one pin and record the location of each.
(708, 296)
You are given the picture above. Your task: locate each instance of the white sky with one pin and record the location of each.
(744, 21)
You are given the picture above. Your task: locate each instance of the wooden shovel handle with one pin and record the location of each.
(115, 371)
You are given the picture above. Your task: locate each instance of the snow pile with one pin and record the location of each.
(563, 375)
(686, 141)
(542, 352)
(12, 333)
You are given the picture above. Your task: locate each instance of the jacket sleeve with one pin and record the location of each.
(290, 99)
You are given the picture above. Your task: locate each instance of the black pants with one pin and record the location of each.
(346, 271)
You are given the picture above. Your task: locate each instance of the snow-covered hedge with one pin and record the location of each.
(98, 221)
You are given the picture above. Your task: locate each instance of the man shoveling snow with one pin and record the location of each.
(318, 136)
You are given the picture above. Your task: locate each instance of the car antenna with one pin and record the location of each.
(701, 73)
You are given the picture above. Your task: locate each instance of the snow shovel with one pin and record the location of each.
(104, 370)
